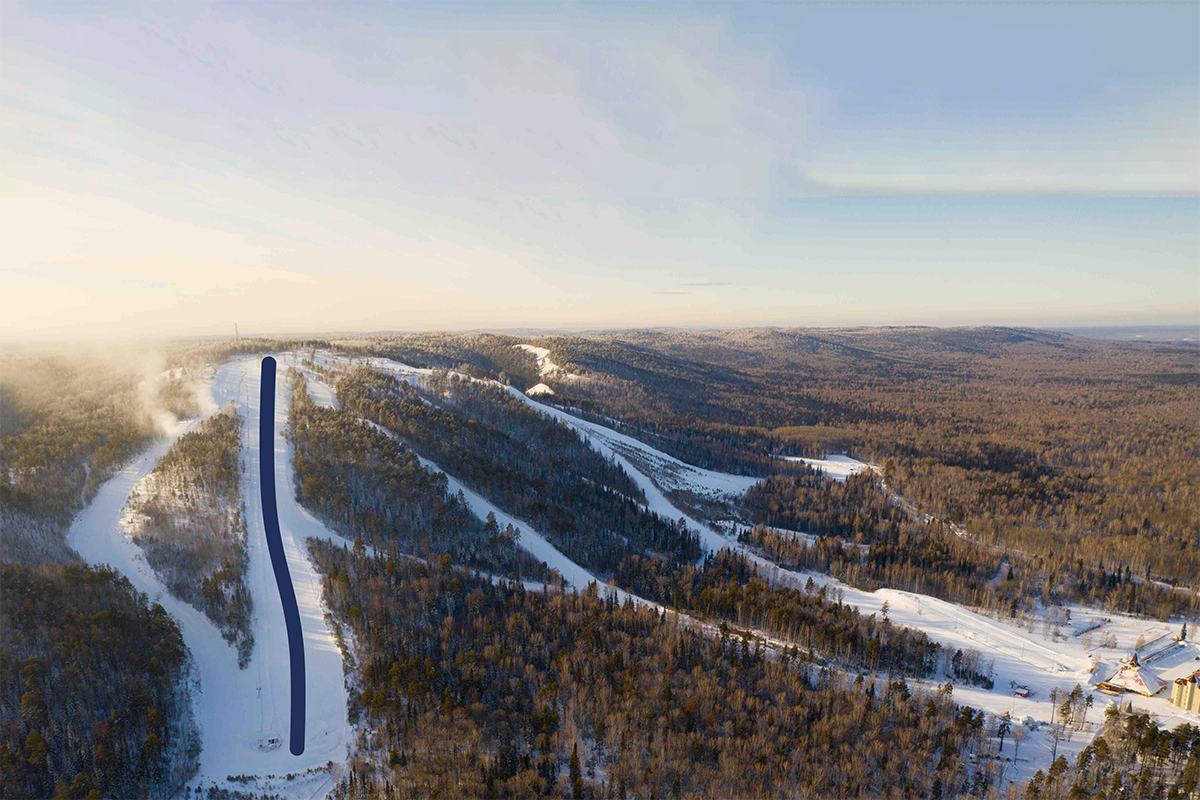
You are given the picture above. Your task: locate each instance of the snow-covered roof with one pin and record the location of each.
(1133, 678)
(1193, 678)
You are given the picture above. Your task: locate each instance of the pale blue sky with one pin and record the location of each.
(383, 166)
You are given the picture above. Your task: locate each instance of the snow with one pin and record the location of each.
(545, 365)
(1133, 679)
(237, 709)
(1040, 660)
(1180, 660)
(1018, 653)
(1033, 654)
(1118, 634)
(539, 389)
(670, 471)
(837, 467)
(528, 539)
(320, 392)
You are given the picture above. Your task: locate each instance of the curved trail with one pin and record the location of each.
(283, 578)
(239, 710)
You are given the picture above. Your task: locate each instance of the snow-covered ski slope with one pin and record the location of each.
(239, 711)
(529, 539)
(545, 365)
(1030, 658)
(1022, 656)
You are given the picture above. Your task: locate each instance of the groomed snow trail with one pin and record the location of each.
(238, 710)
(1018, 655)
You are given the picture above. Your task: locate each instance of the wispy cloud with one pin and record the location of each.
(1149, 148)
(1021, 181)
(376, 162)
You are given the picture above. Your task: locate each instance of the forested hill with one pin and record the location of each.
(371, 487)
(93, 681)
(189, 519)
(484, 690)
(68, 422)
(94, 678)
(1021, 472)
(480, 355)
(529, 465)
(1033, 439)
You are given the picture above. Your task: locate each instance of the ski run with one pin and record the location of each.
(243, 715)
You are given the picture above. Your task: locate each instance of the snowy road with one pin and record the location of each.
(237, 710)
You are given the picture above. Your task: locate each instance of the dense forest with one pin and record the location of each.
(475, 689)
(857, 509)
(93, 678)
(369, 486)
(867, 540)
(68, 423)
(1033, 440)
(93, 693)
(189, 518)
(728, 588)
(1021, 468)
(471, 688)
(529, 465)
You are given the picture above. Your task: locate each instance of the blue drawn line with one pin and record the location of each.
(283, 579)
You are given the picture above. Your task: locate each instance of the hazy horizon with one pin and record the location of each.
(94, 344)
(171, 170)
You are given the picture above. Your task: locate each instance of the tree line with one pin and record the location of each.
(69, 423)
(93, 691)
(1035, 441)
(867, 540)
(529, 465)
(471, 688)
(369, 486)
(190, 522)
(728, 587)
(479, 689)
(481, 355)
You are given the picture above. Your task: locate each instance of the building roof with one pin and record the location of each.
(1193, 678)
(1132, 678)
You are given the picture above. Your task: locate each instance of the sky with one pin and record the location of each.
(173, 169)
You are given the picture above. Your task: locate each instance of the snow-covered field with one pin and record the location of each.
(238, 710)
(837, 467)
